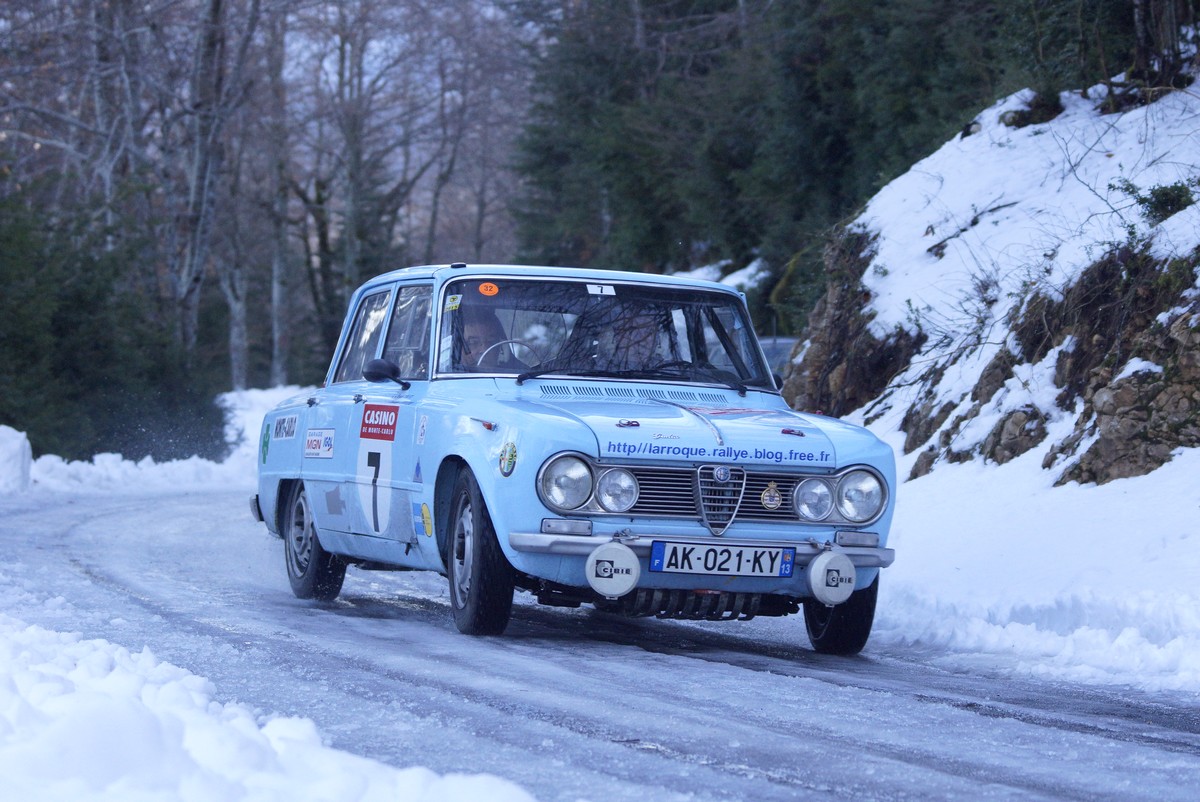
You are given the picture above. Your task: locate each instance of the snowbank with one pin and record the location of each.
(16, 459)
(87, 720)
(84, 720)
(244, 410)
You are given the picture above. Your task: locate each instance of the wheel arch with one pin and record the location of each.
(443, 492)
(283, 491)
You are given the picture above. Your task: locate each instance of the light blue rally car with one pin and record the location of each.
(590, 437)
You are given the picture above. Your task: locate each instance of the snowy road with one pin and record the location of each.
(570, 704)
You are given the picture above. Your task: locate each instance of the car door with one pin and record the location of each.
(388, 475)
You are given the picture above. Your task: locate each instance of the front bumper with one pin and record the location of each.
(583, 545)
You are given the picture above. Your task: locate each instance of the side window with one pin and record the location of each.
(407, 341)
(363, 341)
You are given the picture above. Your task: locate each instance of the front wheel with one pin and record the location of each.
(481, 579)
(842, 629)
(313, 572)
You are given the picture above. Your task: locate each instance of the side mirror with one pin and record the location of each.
(381, 370)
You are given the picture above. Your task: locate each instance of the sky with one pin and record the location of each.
(995, 566)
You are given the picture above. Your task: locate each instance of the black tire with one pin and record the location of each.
(313, 572)
(843, 629)
(481, 578)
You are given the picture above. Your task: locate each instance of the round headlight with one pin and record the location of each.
(859, 496)
(813, 500)
(617, 490)
(566, 483)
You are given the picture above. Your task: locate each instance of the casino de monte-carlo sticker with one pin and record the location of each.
(318, 443)
(379, 422)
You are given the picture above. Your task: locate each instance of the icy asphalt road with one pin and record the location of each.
(572, 705)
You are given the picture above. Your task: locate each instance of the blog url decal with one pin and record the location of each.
(720, 452)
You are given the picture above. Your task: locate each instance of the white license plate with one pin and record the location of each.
(724, 560)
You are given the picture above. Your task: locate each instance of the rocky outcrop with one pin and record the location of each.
(1017, 432)
(1132, 423)
(845, 365)
(1128, 367)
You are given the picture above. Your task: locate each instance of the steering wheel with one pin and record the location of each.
(496, 345)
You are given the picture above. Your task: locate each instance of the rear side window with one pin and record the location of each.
(363, 342)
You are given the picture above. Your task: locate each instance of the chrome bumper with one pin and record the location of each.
(583, 545)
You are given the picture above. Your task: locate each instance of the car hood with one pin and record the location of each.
(682, 431)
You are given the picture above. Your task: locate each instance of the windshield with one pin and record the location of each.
(534, 327)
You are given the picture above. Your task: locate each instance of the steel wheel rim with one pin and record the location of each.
(464, 537)
(819, 617)
(300, 537)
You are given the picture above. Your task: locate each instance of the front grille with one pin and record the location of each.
(720, 489)
(665, 491)
(687, 493)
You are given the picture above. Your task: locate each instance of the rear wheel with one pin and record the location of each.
(481, 579)
(842, 629)
(313, 572)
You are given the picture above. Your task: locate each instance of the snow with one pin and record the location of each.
(1022, 208)
(995, 566)
(17, 458)
(1086, 583)
(90, 720)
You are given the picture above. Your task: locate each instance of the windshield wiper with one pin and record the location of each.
(669, 371)
(732, 384)
(706, 372)
(533, 374)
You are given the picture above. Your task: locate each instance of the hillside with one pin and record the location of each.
(1023, 289)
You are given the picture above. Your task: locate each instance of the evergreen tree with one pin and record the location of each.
(670, 133)
(84, 366)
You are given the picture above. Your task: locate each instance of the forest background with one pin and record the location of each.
(191, 189)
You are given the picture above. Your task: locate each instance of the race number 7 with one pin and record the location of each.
(373, 460)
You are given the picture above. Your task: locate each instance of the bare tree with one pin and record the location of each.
(1158, 47)
(369, 132)
(241, 139)
(215, 89)
(277, 148)
(468, 200)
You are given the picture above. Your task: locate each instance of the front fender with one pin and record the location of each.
(504, 445)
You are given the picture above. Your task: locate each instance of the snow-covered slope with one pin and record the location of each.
(1039, 327)
(1026, 259)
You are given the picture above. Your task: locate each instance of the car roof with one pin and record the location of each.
(542, 271)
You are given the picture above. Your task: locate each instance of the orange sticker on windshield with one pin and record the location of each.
(488, 288)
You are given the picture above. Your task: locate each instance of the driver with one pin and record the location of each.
(485, 345)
